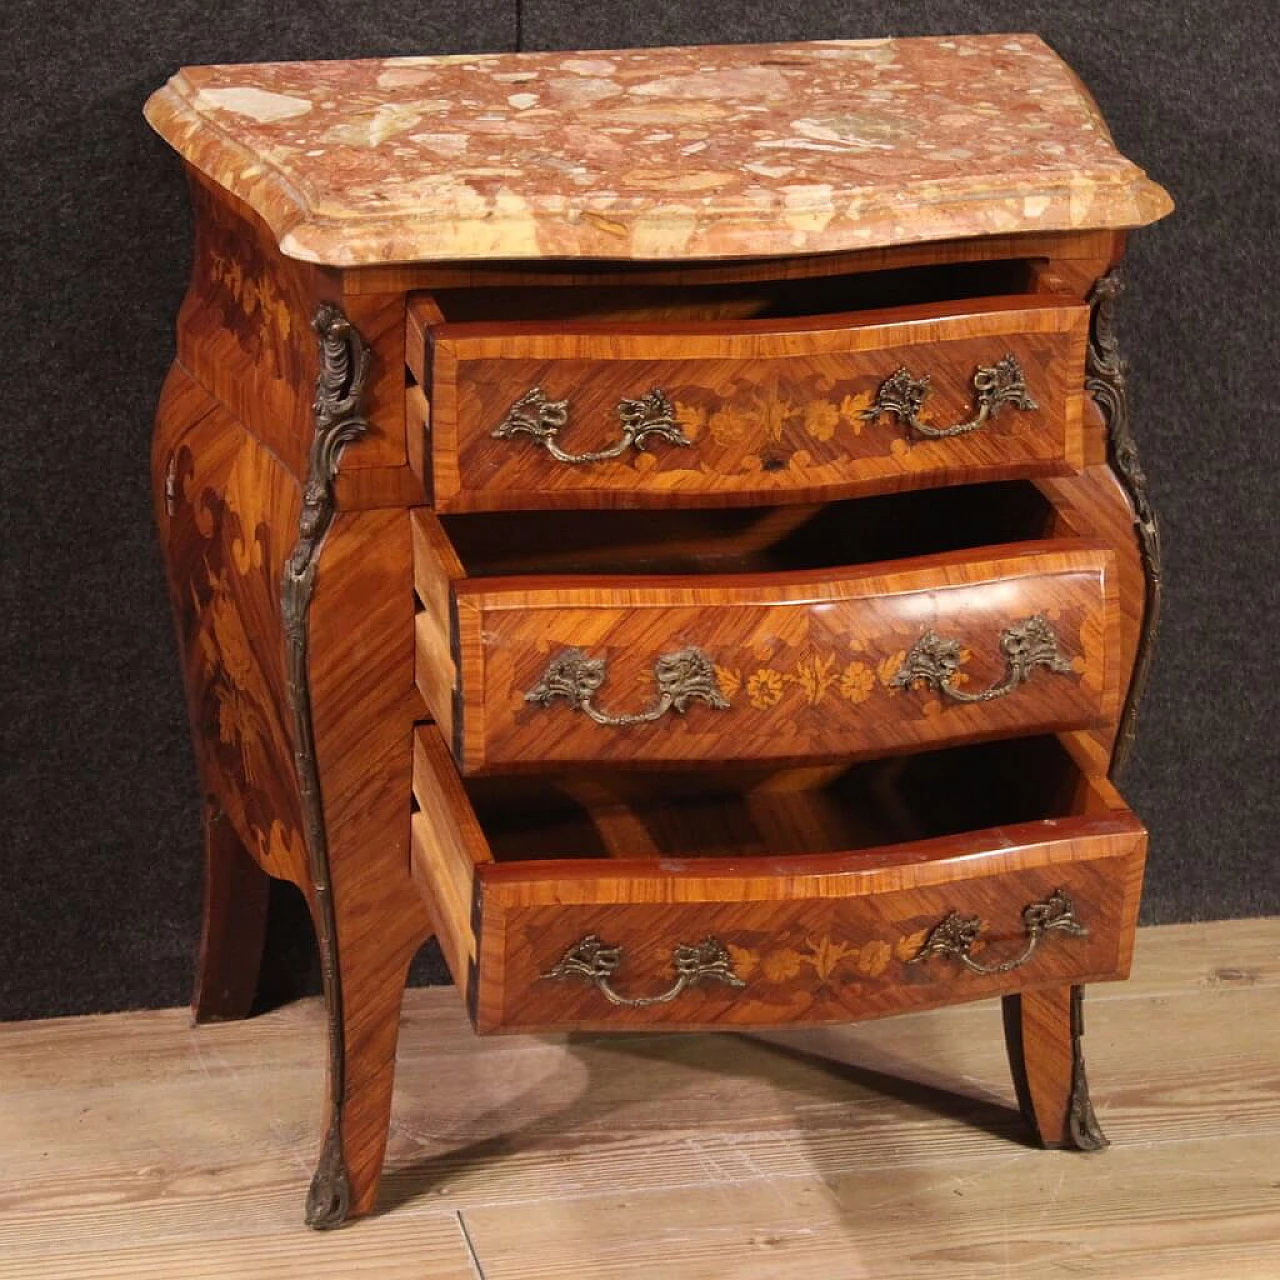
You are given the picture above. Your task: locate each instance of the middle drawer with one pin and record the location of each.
(774, 635)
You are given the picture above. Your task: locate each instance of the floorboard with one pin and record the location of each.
(138, 1146)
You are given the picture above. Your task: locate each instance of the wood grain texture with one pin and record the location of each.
(244, 334)
(235, 512)
(244, 327)
(234, 925)
(1094, 504)
(819, 932)
(1039, 1036)
(874, 1150)
(231, 449)
(227, 514)
(806, 659)
(1067, 247)
(364, 704)
(774, 409)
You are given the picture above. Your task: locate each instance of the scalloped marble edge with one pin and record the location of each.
(910, 214)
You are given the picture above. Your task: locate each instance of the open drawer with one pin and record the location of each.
(784, 634)
(755, 898)
(766, 393)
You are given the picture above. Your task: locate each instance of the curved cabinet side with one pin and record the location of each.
(227, 513)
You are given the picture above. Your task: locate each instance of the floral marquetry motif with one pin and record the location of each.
(638, 518)
(814, 678)
(808, 957)
(755, 679)
(226, 544)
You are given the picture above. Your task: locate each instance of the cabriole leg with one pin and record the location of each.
(234, 928)
(1043, 1031)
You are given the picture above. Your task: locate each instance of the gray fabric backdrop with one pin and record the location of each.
(100, 894)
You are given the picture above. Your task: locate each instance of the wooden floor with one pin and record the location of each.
(135, 1146)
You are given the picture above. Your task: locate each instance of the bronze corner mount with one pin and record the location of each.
(1107, 381)
(338, 420)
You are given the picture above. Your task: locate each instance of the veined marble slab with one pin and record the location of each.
(701, 152)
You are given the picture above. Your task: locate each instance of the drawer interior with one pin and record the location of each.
(762, 813)
(758, 300)
(750, 539)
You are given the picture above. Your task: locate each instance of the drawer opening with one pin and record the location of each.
(622, 301)
(761, 813)
(750, 539)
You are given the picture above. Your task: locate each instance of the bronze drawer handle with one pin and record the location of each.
(595, 962)
(903, 395)
(935, 660)
(542, 419)
(954, 937)
(683, 675)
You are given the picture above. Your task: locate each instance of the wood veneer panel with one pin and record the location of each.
(227, 512)
(827, 935)
(364, 704)
(834, 956)
(759, 1157)
(774, 409)
(245, 334)
(1095, 504)
(1068, 247)
(806, 660)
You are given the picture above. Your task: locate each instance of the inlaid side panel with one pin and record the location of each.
(1094, 504)
(754, 410)
(817, 664)
(227, 513)
(364, 704)
(245, 334)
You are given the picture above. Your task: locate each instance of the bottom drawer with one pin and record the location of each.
(754, 898)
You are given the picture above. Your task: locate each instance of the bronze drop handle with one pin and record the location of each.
(902, 395)
(936, 660)
(541, 419)
(954, 937)
(595, 962)
(680, 676)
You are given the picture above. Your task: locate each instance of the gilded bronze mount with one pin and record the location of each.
(338, 418)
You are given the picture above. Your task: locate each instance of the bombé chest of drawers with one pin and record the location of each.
(665, 524)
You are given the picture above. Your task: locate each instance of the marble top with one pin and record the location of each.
(700, 152)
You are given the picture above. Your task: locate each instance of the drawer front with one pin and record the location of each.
(523, 416)
(819, 664)
(611, 922)
(555, 951)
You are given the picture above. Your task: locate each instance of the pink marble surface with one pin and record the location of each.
(703, 152)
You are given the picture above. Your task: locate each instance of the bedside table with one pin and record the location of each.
(666, 524)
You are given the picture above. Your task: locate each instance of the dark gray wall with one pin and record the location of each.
(99, 899)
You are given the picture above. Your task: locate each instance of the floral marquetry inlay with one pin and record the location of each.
(813, 678)
(770, 414)
(824, 959)
(226, 557)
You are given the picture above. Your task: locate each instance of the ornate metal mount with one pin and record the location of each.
(1082, 1124)
(954, 937)
(902, 395)
(340, 383)
(171, 484)
(935, 660)
(542, 419)
(596, 962)
(1106, 379)
(681, 677)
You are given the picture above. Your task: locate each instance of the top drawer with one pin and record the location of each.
(530, 414)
